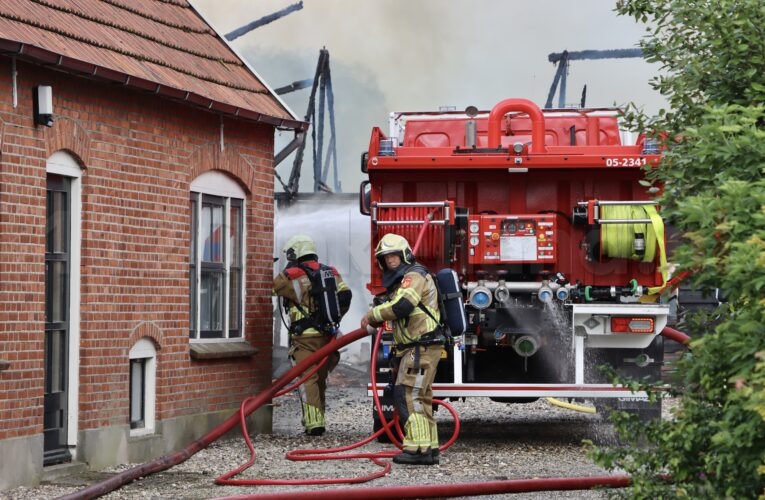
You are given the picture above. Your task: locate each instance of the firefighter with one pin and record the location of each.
(412, 309)
(306, 335)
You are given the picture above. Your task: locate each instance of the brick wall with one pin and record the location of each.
(139, 154)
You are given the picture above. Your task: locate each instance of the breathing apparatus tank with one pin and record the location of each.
(449, 289)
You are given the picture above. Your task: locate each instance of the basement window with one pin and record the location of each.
(143, 387)
(137, 393)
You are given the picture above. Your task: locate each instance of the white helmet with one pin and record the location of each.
(299, 246)
(393, 243)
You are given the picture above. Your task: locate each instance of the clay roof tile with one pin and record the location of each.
(164, 46)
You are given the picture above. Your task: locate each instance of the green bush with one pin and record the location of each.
(712, 55)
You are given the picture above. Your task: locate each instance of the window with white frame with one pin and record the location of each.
(143, 387)
(217, 252)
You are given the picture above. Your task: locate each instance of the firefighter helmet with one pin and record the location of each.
(299, 246)
(393, 243)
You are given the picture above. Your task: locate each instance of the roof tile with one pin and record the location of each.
(148, 44)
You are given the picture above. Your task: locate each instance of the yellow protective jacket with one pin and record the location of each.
(409, 321)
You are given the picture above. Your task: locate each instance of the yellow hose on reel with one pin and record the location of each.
(625, 241)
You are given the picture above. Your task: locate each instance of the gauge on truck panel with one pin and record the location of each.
(500, 239)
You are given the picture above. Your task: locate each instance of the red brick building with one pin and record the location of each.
(136, 232)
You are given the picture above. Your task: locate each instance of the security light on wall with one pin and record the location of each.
(43, 104)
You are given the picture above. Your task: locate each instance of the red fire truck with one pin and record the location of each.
(557, 243)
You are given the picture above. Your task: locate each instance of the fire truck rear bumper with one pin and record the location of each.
(586, 391)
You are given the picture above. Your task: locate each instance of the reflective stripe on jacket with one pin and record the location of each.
(410, 322)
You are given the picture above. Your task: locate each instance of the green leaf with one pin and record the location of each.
(713, 78)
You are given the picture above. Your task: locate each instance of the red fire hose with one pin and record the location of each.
(423, 491)
(452, 490)
(676, 335)
(297, 384)
(168, 461)
(333, 453)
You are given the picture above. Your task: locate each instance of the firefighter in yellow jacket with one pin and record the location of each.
(306, 335)
(412, 308)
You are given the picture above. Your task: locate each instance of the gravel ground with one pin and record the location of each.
(496, 442)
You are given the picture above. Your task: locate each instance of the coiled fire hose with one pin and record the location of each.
(634, 241)
(332, 453)
(637, 241)
(168, 461)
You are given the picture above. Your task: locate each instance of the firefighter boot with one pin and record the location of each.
(435, 456)
(316, 431)
(410, 458)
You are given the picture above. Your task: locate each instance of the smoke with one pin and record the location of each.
(356, 95)
(418, 55)
(341, 234)
(396, 55)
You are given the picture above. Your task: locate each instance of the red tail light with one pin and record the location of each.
(629, 324)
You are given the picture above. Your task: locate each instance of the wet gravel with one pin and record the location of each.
(496, 441)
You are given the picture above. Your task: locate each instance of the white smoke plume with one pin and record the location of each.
(417, 55)
(341, 235)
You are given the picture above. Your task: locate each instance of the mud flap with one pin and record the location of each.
(644, 410)
(386, 401)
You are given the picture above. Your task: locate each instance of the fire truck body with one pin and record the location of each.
(557, 243)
